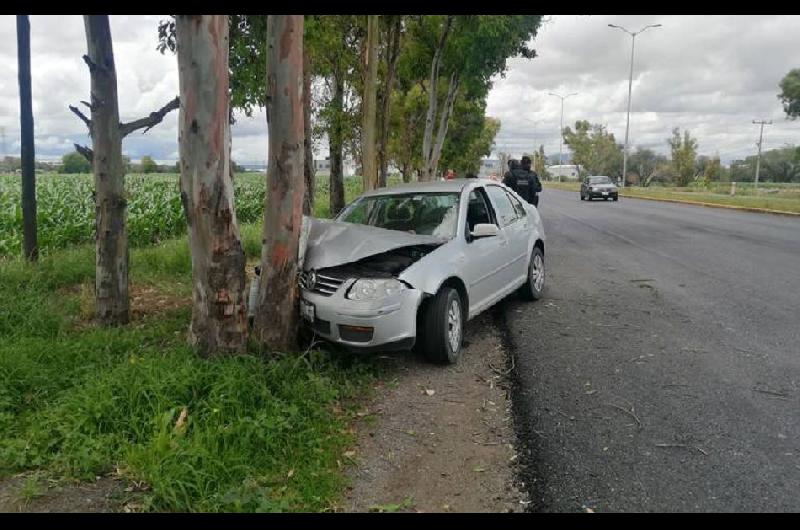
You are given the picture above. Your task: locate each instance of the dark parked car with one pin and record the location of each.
(598, 188)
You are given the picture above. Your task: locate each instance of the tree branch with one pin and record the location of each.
(82, 116)
(87, 153)
(150, 121)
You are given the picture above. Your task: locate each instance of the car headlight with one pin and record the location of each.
(368, 289)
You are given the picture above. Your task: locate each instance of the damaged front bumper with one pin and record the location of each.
(374, 325)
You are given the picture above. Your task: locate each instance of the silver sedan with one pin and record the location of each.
(409, 265)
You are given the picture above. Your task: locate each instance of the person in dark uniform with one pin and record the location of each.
(523, 180)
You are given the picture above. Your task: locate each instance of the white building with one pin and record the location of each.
(565, 171)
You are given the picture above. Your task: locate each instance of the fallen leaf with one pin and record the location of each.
(180, 425)
(430, 392)
(290, 474)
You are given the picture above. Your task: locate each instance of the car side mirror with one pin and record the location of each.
(484, 230)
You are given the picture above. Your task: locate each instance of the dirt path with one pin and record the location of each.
(32, 493)
(440, 439)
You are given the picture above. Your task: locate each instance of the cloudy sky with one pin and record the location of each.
(710, 74)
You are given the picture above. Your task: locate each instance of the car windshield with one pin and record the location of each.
(599, 180)
(433, 214)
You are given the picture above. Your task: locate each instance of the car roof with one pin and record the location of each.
(436, 186)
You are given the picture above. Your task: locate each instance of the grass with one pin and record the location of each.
(244, 433)
(777, 197)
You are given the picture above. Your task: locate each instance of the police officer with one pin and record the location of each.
(523, 180)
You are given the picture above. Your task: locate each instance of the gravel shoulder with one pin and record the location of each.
(440, 438)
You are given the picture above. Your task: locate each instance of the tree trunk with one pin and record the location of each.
(368, 132)
(309, 171)
(219, 312)
(444, 121)
(277, 315)
(111, 237)
(27, 153)
(428, 171)
(336, 144)
(392, 53)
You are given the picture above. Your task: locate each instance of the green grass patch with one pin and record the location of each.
(76, 401)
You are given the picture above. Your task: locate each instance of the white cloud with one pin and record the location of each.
(710, 74)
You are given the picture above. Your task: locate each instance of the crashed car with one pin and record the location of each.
(407, 266)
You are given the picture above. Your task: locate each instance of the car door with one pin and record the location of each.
(486, 256)
(514, 229)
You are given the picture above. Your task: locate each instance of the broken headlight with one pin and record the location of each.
(368, 289)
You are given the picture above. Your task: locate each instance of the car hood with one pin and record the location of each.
(332, 243)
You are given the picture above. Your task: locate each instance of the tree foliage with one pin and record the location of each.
(684, 155)
(75, 162)
(594, 148)
(790, 93)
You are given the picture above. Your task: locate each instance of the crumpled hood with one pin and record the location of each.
(332, 243)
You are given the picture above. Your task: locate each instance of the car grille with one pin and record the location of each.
(319, 283)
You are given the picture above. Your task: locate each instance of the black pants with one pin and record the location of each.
(535, 200)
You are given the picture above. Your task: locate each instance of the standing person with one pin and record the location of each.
(523, 181)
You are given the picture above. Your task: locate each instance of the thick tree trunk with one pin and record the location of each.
(30, 245)
(428, 171)
(336, 144)
(309, 171)
(277, 314)
(368, 132)
(219, 312)
(392, 53)
(111, 271)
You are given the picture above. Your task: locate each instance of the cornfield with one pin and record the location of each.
(65, 207)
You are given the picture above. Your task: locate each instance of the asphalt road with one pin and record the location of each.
(661, 372)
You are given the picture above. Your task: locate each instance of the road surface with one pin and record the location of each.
(661, 372)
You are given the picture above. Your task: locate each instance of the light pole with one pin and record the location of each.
(760, 140)
(561, 131)
(630, 87)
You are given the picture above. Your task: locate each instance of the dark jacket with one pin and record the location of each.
(524, 182)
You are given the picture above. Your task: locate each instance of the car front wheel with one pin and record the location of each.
(443, 327)
(533, 289)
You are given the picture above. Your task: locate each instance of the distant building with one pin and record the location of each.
(489, 166)
(565, 171)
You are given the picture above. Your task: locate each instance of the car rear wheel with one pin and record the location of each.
(533, 289)
(616, 198)
(442, 327)
(582, 197)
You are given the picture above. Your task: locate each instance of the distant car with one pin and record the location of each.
(409, 265)
(599, 187)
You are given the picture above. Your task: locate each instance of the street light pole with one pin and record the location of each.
(760, 140)
(561, 131)
(630, 89)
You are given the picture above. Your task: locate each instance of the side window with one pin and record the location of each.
(503, 207)
(477, 210)
(517, 206)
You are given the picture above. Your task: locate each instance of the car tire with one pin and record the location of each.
(588, 197)
(533, 289)
(442, 327)
(582, 197)
(616, 199)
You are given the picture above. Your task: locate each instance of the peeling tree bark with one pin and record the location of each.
(368, 105)
(277, 315)
(219, 313)
(309, 172)
(336, 144)
(111, 234)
